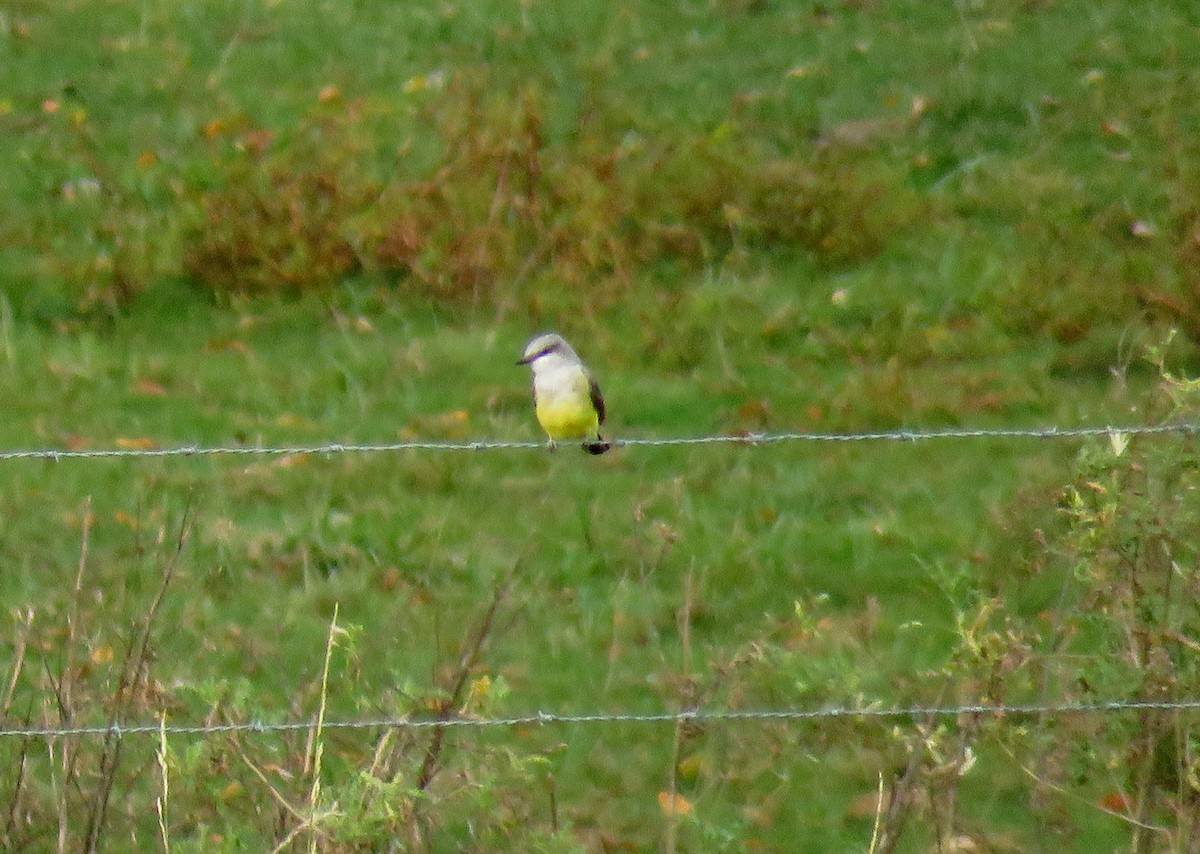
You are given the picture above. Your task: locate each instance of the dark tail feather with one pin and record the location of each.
(597, 446)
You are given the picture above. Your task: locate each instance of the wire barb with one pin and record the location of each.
(746, 440)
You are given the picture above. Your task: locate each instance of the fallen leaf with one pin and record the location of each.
(1114, 128)
(219, 345)
(146, 159)
(101, 654)
(758, 815)
(864, 806)
(1115, 802)
(288, 461)
(257, 141)
(674, 805)
(231, 791)
(75, 442)
(754, 412)
(149, 387)
(450, 425)
(140, 444)
(329, 93)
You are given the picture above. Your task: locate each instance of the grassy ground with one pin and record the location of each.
(747, 216)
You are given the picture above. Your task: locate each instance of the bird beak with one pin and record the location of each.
(525, 361)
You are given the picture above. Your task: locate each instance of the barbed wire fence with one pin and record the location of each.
(540, 718)
(740, 439)
(553, 718)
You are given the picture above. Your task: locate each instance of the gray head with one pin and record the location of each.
(547, 344)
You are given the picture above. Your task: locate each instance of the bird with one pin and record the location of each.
(566, 397)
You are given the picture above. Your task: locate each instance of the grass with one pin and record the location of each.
(297, 222)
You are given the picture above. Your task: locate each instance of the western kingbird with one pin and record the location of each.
(566, 398)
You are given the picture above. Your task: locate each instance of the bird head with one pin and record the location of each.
(547, 344)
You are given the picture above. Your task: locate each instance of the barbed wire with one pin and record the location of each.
(743, 439)
(556, 718)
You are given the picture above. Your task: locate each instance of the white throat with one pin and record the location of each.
(553, 363)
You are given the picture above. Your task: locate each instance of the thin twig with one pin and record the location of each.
(66, 681)
(685, 632)
(467, 659)
(134, 663)
(1042, 781)
(14, 806)
(295, 812)
(21, 645)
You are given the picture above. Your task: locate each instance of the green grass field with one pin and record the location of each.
(297, 222)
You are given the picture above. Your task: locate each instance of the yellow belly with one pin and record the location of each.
(568, 419)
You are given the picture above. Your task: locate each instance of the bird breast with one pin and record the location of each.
(559, 377)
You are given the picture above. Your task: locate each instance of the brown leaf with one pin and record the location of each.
(149, 387)
(674, 805)
(1115, 802)
(138, 444)
(288, 461)
(75, 442)
(219, 345)
(864, 806)
(257, 141)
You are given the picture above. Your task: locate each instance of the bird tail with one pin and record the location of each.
(597, 446)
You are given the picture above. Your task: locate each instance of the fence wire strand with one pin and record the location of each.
(554, 718)
(743, 439)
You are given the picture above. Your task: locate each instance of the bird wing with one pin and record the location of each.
(596, 396)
